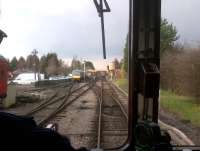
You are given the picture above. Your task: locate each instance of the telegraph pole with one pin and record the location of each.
(35, 52)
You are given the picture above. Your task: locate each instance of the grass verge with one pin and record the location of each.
(123, 84)
(183, 106)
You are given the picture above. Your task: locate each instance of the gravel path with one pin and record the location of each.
(77, 121)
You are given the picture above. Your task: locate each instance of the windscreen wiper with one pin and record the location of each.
(100, 9)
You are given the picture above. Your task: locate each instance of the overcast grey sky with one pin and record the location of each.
(68, 27)
(185, 15)
(72, 27)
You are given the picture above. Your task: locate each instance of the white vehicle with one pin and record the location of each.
(28, 78)
(59, 78)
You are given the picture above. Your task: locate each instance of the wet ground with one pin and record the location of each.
(186, 127)
(79, 120)
(76, 121)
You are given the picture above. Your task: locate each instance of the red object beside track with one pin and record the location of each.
(4, 68)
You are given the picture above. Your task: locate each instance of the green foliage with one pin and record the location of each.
(183, 106)
(76, 64)
(43, 64)
(32, 62)
(52, 58)
(168, 35)
(116, 64)
(121, 63)
(13, 64)
(125, 60)
(53, 64)
(21, 63)
(48, 64)
(89, 65)
(180, 72)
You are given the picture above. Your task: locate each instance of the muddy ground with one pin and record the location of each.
(79, 121)
(186, 127)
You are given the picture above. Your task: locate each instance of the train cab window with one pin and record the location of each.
(69, 61)
(106, 74)
(179, 61)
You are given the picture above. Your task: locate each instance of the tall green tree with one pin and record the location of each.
(13, 63)
(21, 63)
(43, 64)
(168, 36)
(116, 64)
(53, 58)
(125, 60)
(89, 65)
(76, 64)
(121, 63)
(32, 62)
(52, 64)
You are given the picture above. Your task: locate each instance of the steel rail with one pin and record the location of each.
(125, 115)
(47, 103)
(177, 136)
(99, 94)
(50, 101)
(100, 133)
(65, 103)
(119, 103)
(43, 105)
(121, 107)
(100, 117)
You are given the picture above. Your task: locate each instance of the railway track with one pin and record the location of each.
(49, 101)
(50, 109)
(112, 119)
(109, 126)
(121, 99)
